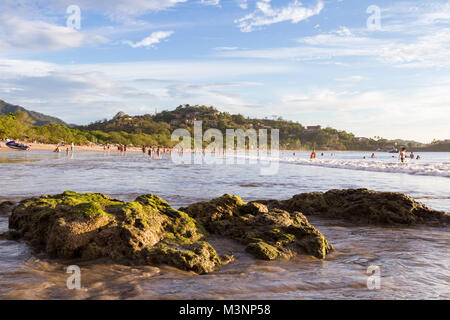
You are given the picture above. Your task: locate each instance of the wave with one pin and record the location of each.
(418, 167)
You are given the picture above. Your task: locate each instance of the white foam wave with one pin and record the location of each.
(425, 168)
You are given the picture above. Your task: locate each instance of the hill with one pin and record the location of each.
(156, 130)
(293, 135)
(435, 146)
(32, 117)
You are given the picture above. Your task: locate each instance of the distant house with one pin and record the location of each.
(361, 139)
(216, 112)
(313, 128)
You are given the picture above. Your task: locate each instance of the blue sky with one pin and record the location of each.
(328, 62)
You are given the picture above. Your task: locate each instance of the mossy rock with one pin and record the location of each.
(364, 206)
(268, 234)
(91, 225)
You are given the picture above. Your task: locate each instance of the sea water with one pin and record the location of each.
(413, 262)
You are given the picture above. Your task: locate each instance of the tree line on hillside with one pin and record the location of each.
(156, 130)
(293, 135)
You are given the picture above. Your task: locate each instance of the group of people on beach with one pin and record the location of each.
(59, 146)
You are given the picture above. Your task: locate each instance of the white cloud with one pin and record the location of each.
(351, 79)
(414, 113)
(210, 2)
(431, 49)
(119, 9)
(151, 40)
(19, 33)
(225, 48)
(266, 15)
(243, 4)
(83, 93)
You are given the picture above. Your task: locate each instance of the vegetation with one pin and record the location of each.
(37, 118)
(156, 130)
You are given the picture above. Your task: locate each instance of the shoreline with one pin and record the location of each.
(52, 147)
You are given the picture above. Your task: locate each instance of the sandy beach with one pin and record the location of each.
(51, 147)
(95, 148)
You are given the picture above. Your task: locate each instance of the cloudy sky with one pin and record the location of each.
(375, 68)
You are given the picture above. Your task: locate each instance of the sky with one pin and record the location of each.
(374, 68)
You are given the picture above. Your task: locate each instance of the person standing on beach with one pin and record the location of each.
(72, 147)
(313, 154)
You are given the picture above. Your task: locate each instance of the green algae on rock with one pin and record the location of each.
(363, 206)
(268, 234)
(89, 226)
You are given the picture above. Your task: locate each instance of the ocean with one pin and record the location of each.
(414, 262)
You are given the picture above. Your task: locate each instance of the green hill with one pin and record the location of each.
(157, 129)
(35, 118)
(293, 135)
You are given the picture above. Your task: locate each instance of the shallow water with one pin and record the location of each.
(414, 262)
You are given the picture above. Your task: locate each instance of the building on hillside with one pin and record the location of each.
(314, 128)
(190, 121)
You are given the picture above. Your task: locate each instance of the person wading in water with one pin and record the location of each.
(403, 155)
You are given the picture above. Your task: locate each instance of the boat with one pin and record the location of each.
(17, 146)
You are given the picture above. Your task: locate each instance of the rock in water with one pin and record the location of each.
(6, 207)
(364, 206)
(268, 234)
(88, 226)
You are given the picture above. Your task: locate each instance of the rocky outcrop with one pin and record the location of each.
(363, 206)
(88, 226)
(6, 207)
(149, 231)
(267, 234)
